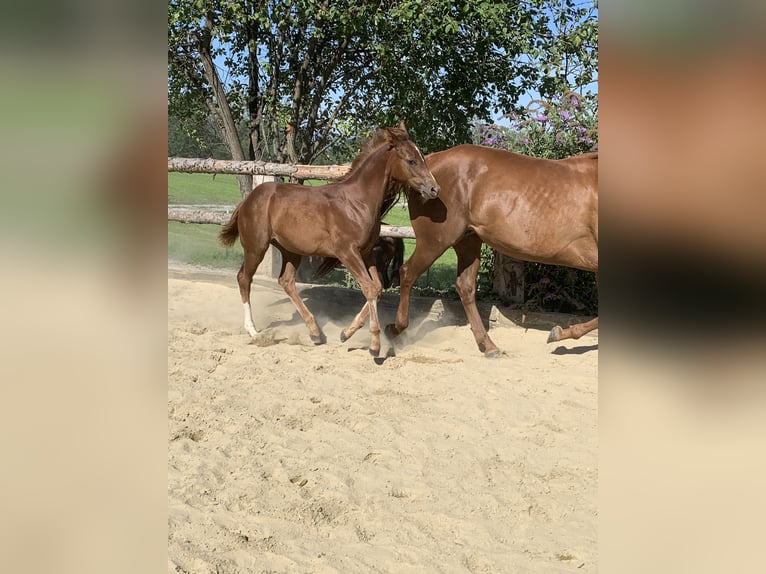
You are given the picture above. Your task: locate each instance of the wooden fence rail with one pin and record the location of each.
(198, 165)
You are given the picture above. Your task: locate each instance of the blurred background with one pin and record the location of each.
(83, 256)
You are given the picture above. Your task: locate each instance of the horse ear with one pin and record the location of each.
(391, 137)
(402, 125)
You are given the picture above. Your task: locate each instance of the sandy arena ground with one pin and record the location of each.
(290, 457)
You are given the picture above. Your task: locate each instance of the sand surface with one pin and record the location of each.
(289, 457)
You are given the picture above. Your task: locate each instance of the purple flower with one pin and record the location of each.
(526, 140)
(575, 102)
(565, 114)
(542, 118)
(583, 130)
(545, 281)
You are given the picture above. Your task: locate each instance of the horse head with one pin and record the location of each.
(408, 166)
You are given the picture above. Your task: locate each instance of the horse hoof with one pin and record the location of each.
(318, 339)
(555, 334)
(391, 331)
(343, 337)
(494, 354)
(374, 352)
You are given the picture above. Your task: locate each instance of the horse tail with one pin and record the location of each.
(230, 231)
(327, 265)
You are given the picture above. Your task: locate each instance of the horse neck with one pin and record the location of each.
(371, 180)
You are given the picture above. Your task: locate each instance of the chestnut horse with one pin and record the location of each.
(340, 220)
(528, 208)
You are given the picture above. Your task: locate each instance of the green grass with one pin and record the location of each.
(198, 244)
(203, 188)
(441, 275)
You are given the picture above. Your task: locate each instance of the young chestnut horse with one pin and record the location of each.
(340, 220)
(528, 208)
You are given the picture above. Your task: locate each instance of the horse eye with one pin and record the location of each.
(411, 161)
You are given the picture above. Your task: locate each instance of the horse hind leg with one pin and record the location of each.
(468, 260)
(250, 264)
(573, 332)
(290, 263)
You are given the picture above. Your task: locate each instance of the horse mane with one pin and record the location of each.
(381, 137)
(394, 191)
(378, 139)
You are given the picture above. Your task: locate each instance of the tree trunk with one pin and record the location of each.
(222, 105)
(508, 278)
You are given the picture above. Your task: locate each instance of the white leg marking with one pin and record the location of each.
(249, 320)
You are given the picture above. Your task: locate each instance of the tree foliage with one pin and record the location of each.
(307, 77)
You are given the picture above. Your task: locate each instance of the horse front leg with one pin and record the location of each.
(356, 324)
(368, 280)
(421, 259)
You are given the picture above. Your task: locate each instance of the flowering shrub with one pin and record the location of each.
(565, 126)
(560, 289)
(554, 130)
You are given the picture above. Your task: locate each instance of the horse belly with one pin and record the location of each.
(550, 244)
(306, 242)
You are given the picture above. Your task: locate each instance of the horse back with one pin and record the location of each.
(529, 208)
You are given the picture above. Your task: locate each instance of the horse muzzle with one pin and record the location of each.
(429, 190)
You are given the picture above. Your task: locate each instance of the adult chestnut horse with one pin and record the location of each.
(528, 208)
(340, 220)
